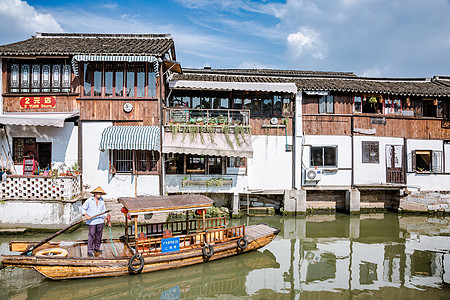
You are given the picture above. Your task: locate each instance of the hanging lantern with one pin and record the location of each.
(200, 211)
(435, 102)
(124, 210)
(408, 102)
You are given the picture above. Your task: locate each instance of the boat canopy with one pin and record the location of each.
(160, 204)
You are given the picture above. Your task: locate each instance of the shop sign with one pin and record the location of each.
(37, 102)
(170, 244)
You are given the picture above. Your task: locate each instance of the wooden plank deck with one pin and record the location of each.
(259, 231)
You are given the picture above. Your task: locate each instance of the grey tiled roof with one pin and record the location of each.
(267, 72)
(85, 43)
(325, 81)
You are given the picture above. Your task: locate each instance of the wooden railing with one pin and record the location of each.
(179, 227)
(214, 236)
(206, 116)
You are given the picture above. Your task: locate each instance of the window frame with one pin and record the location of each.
(170, 161)
(113, 154)
(371, 145)
(148, 70)
(328, 102)
(16, 161)
(253, 101)
(436, 164)
(64, 69)
(335, 147)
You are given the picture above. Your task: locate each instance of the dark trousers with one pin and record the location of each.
(95, 237)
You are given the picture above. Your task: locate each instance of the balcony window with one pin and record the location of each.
(39, 77)
(185, 164)
(265, 105)
(118, 79)
(392, 106)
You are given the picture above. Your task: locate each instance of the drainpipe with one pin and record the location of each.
(161, 132)
(294, 150)
(352, 151)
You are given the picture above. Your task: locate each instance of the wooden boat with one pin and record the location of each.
(145, 247)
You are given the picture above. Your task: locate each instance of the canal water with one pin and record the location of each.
(375, 256)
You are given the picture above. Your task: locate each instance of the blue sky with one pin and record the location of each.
(382, 38)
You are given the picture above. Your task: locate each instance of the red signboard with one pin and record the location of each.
(37, 102)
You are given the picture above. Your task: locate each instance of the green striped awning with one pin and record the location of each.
(130, 138)
(127, 58)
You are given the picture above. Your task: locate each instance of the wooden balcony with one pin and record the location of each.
(382, 125)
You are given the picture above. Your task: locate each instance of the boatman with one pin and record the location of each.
(93, 206)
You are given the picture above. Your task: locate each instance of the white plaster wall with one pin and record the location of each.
(96, 168)
(1, 86)
(173, 184)
(427, 182)
(330, 177)
(64, 141)
(38, 214)
(271, 166)
(372, 173)
(447, 157)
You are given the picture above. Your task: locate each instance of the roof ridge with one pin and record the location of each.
(102, 35)
(306, 75)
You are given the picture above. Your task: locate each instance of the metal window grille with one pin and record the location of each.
(123, 161)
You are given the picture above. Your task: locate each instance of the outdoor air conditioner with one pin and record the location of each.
(313, 175)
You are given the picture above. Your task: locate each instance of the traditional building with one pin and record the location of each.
(356, 142)
(88, 102)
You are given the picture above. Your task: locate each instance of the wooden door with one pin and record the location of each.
(394, 164)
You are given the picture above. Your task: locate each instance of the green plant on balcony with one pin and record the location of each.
(214, 182)
(193, 131)
(226, 132)
(175, 129)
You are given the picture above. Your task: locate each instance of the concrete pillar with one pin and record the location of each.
(294, 201)
(301, 201)
(352, 201)
(354, 227)
(235, 204)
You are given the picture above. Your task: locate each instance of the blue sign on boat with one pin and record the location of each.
(170, 244)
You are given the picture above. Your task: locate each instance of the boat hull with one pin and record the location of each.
(74, 268)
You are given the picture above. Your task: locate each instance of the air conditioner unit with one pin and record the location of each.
(313, 175)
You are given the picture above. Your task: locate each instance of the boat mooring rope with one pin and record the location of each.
(110, 236)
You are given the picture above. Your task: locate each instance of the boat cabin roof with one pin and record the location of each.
(152, 204)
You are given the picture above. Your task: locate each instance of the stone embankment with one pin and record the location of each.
(425, 202)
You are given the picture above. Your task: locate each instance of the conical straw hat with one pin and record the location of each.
(98, 190)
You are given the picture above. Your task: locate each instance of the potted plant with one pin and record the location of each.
(76, 168)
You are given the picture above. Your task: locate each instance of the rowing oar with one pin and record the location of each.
(58, 233)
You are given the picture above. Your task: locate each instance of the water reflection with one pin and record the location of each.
(329, 256)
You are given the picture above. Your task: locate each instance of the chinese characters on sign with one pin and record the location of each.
(37, 102)
(170, 244)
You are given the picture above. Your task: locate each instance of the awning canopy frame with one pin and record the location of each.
(130, 138)
(121, 58)
(54, 119)
(274, 87)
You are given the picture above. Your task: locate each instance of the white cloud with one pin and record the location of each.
(19, 19)
(306, 42)
(111, 5)
(255, 65)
